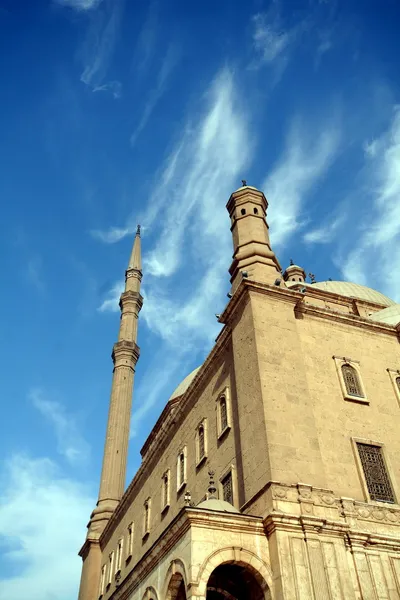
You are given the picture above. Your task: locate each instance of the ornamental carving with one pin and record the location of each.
(279, 493)
(329, 500)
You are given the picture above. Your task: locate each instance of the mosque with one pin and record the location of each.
(273, 471)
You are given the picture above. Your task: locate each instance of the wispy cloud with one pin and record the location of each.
(270, 39)
(34, 273)
(80, 5)
(147, 40)
(273, 39)
(99, 47)
(111, 302)
(203, 168)
(36, 501)
(324, 234)
(309, 152)
(70, 442)
(166, 68)
(114, 234)
(378, 239)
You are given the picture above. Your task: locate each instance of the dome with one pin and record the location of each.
(219, 505)
(250, 187)
(351, 290)
(389, 315)
(184, 384)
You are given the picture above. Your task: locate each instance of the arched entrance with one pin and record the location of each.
(233, 582)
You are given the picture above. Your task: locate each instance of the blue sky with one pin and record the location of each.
(114, 113)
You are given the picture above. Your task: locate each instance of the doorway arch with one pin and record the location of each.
(250, 573)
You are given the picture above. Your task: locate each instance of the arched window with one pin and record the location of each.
(165, 490)
(201, 442)
(351, 381)
(398, 383)
(223, 413)
(256, 211)
(243, 211)
(146, 517)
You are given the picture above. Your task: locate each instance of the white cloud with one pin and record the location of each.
(80, 5)
(99, 47)
(201, 171)
(42, 523)
(378, 242)
(308, 154)
(70, 442)
(371, 148)
(111, 302)
(325, 233)
(155, 95)
(114, 234)
(270, 39)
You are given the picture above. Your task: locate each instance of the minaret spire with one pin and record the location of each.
(125, 355)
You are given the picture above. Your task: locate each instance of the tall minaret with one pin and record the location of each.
(125, 355)
(252, 254)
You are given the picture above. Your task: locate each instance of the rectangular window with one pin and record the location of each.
(227, 490)
(102, 580)
(119, 553)
(375, 472)
(110, 567)
(129, 549)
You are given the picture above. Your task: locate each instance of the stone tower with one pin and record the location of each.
(125, 355)
(252, 254)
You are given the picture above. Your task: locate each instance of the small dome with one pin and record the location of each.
(183, 386)
(351, 290)
(248, 187)
(389, 315)
(218, 505)
(291, 267)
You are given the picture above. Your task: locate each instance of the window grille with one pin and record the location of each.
(181, 468)
(223, 413)
(227, 490)
(201, 442)
(351, 381)
(376, 476)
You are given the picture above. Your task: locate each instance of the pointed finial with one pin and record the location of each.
(291, 262)
(212, 490)
(244, 182)
(135, 261)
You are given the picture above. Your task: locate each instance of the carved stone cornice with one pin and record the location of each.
(303, 308)
(126, 350)
(132, 298)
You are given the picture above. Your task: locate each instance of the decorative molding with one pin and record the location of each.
(186, 518)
